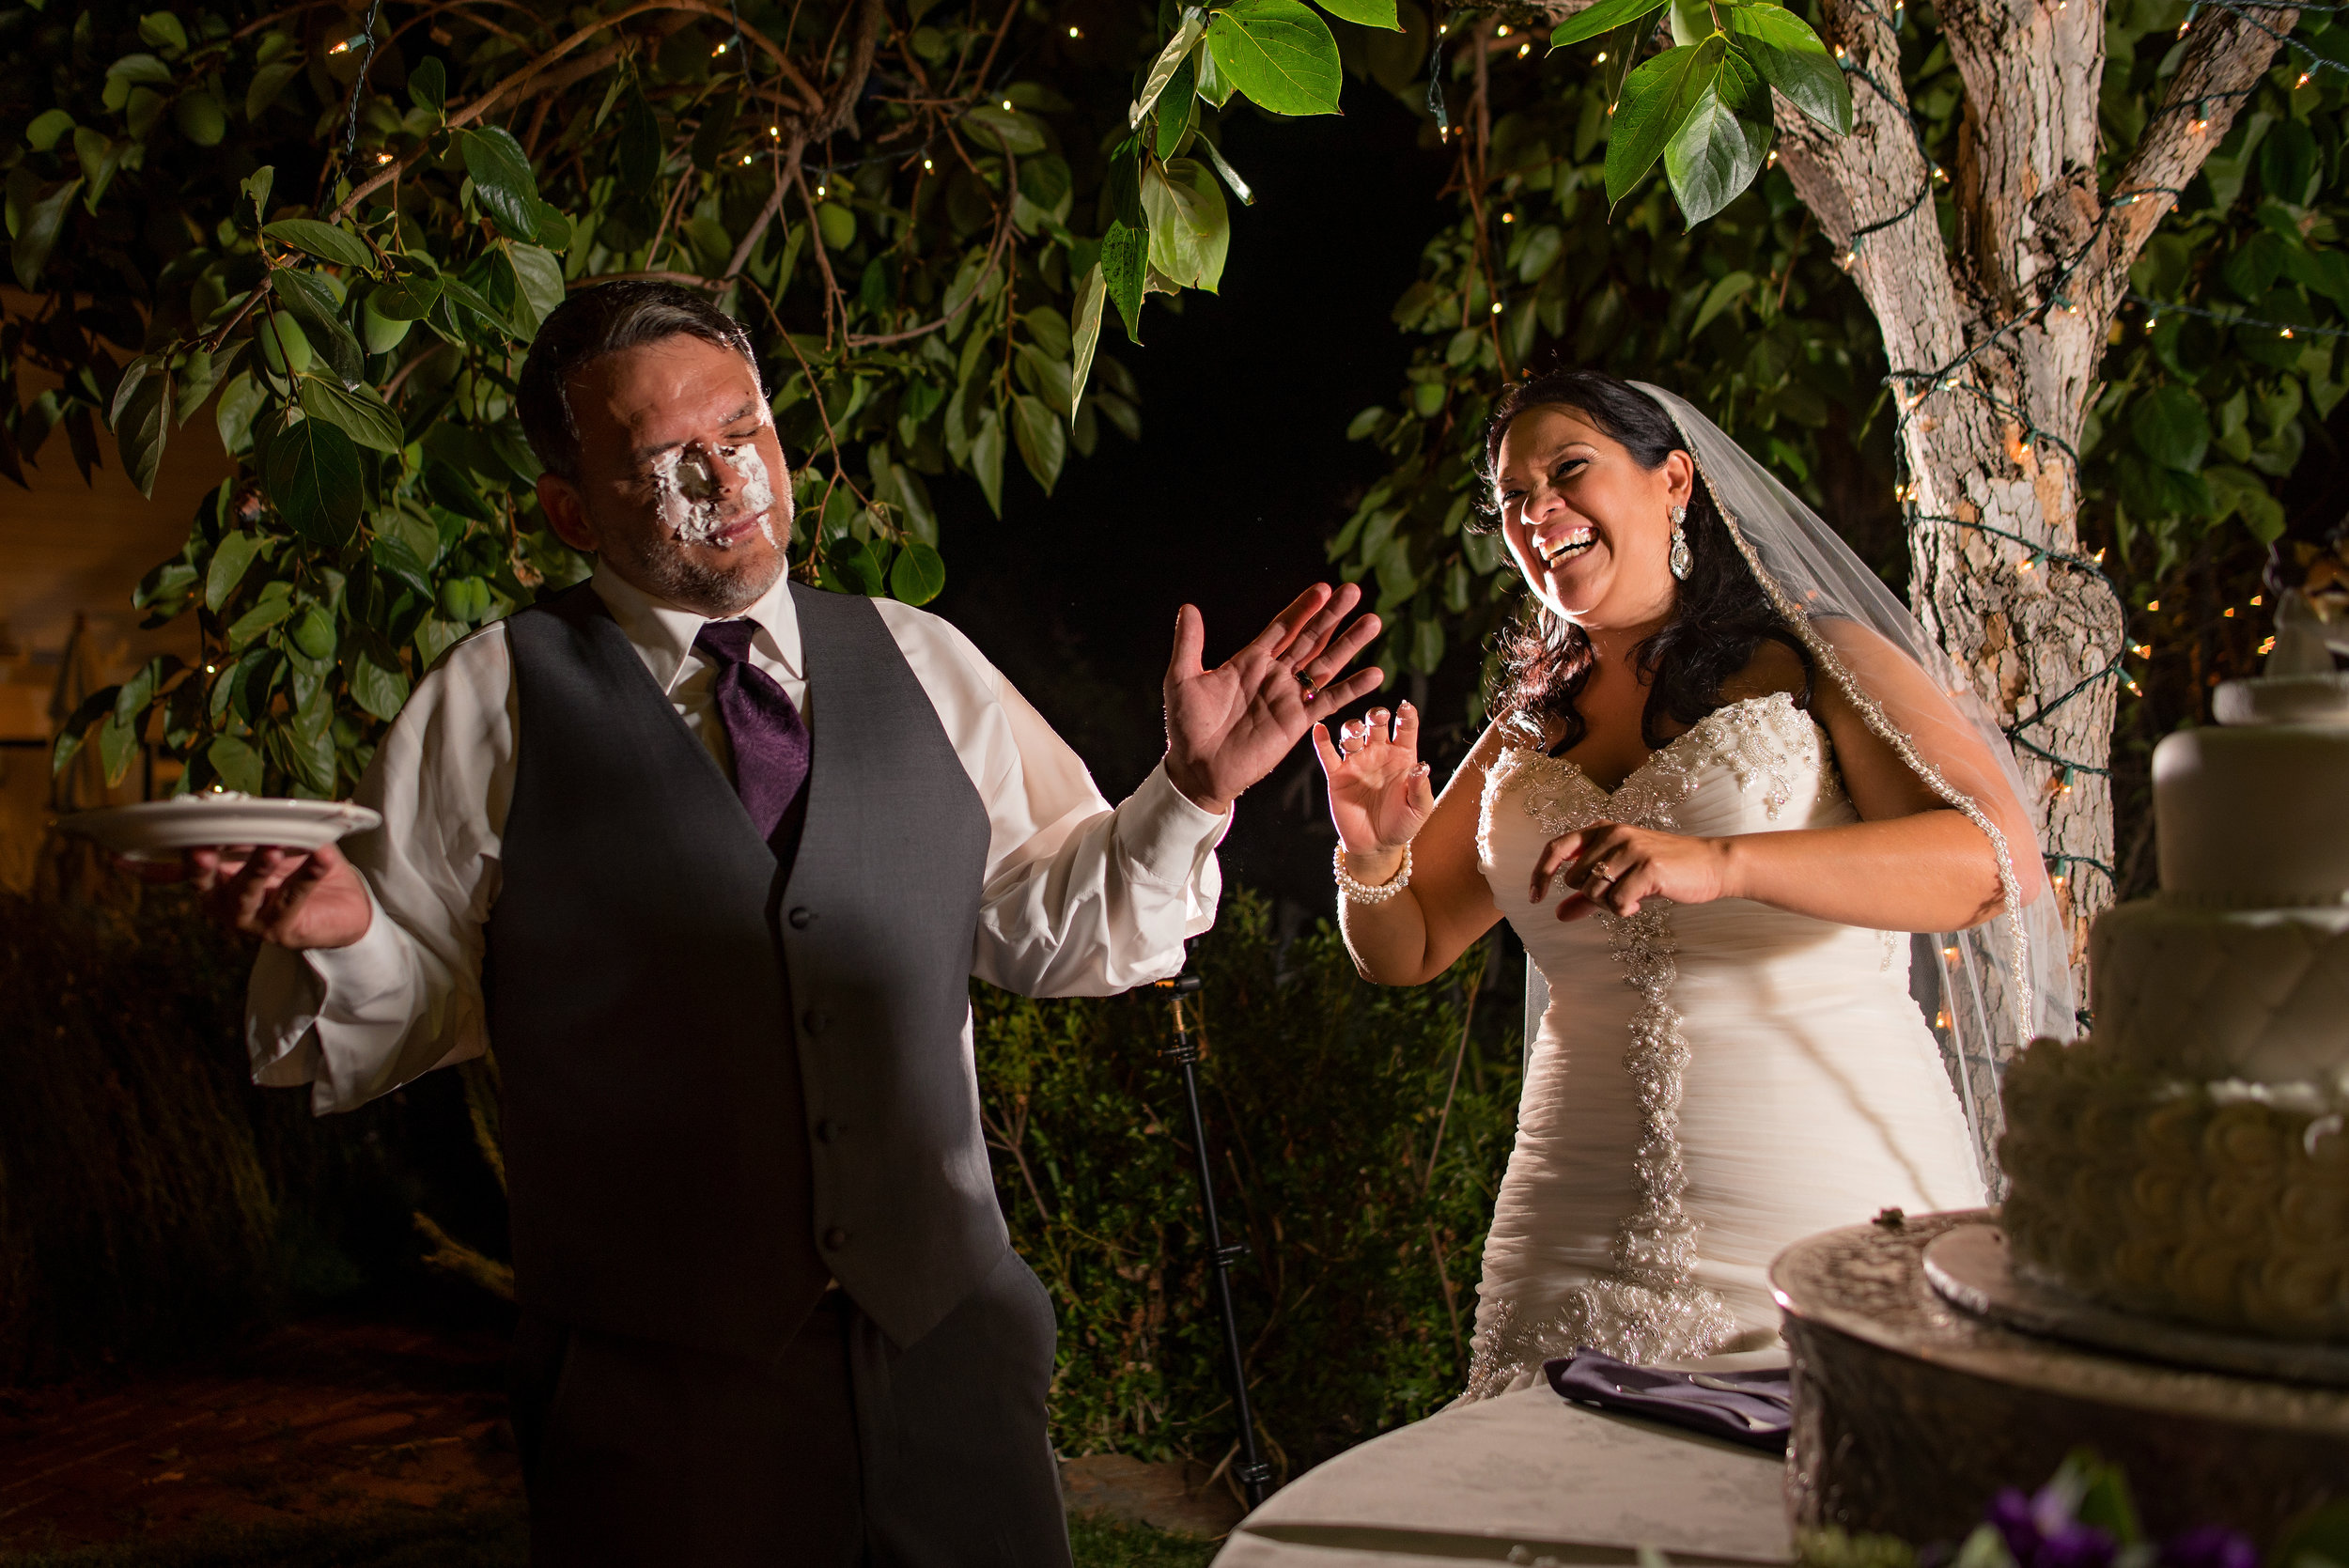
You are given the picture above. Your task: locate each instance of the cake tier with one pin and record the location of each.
(2225, 1204)
(2252, 813)
(2199, 991)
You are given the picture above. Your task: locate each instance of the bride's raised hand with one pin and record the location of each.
(1379, 793)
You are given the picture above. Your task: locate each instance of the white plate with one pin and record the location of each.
(158, 830)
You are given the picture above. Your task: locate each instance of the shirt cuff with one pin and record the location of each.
(1164, 833)
(368, 970)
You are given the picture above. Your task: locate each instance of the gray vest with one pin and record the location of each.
(725, 1080)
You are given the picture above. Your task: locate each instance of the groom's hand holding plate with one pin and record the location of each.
(265, 867)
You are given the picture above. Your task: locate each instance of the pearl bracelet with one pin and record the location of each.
(1363, 892)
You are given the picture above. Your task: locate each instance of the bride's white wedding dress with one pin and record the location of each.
(1710, 1083)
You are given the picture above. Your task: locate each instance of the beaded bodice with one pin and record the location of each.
(1753, 765)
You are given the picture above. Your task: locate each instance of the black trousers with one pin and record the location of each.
(849, 1451)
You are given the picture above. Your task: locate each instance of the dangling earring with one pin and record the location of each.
(1682, 558)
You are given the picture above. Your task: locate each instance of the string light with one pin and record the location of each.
(1771, 162)
(1841, 51)
(1601, 58)
(2228, 613)
(927, 166)
(347, 45)
(2302, 83)
(1007, 105)
(1501, 31)
(2268, 647)
(2258, 599)
(2135, 689)
(1496, 307)
(1523, 50)
(2197, 127)
(746, 159)
(1075, 33)
(2153, 604)
(382, 157)
(212, 669)
(1951, 953)
(1508, 217)
(2286, 332)
(2143, 650)
(721, 48)
(819, 190)
(1442, 28)
(776, 132)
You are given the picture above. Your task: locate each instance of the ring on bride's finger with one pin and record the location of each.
(1601, 872)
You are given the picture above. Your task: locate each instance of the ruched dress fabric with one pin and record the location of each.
(1710, 1083)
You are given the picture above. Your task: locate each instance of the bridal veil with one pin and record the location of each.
(2003, 982)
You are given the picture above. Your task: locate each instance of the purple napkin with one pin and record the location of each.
(1749, 1407)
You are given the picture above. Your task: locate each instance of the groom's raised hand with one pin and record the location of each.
(1229, 726)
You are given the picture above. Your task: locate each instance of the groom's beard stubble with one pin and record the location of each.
(715, 588)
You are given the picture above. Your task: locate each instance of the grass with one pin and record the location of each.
(493, 1539)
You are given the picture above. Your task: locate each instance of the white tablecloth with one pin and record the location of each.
(1524, 1478)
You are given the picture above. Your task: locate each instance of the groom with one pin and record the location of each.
(709, 856)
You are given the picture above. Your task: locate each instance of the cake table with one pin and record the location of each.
(1910, 1412)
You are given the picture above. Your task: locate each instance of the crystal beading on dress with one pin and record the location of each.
(1648, 1308)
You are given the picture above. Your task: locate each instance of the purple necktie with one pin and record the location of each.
(770, 742)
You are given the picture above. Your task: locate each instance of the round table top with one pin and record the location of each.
(1524, 1478)
(1868, 1281)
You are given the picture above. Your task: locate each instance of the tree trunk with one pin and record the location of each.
(1994, 343)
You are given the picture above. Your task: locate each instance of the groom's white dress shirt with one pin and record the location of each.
(1079, 900)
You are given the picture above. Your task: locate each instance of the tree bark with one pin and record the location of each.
(1994, 343)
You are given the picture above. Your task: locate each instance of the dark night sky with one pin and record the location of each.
(1243, 469)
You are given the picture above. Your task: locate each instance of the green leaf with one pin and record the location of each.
(996, 129)
(238, 764)
(141, 425)
(2288, 162)
(1279, 54)
(1602, 17)
(502, 180)
(362, 415)
(849, 567)
(1087, 335)
(2238, 492)
(428, 86)
(1125, 257)
(1228, 173)
(2319, 1538)
(29, 253)
(917, 575)
(1715, 153)
(1213, 87)
(162, 30)
(314, 479)
(46, 128)
(1542, 246)
(1788, 55)
(1043, 440)
(1658, 99)
(100, 157)
(1190, 229)
(323, 240)
(274, 605)
(241, 402)
(406, 299)
(1177, 114)
(1727, 292)
(377, 686)
(231, 557)
(449, 488)
(313, 305)
(540, 278)
(2171, 426)
(1367, 13)
(1170, 62)
(268, 82)
(987, 459)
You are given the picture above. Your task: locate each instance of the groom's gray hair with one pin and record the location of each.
(608, 319)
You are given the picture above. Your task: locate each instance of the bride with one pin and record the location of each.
(1726, 774)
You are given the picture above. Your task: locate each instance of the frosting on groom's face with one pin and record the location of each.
(682, 488)
(1588, 528)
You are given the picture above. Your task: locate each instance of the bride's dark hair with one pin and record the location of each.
(1718, 618)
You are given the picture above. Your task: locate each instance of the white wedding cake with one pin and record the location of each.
(2190, 1159)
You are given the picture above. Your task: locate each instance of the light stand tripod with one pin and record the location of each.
(1254, 1475)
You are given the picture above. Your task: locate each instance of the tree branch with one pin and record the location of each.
(2227, 57)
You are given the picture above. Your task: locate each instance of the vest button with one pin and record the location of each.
(814, 1020)
(834, 1239)
(801, 917)
(827, 1129)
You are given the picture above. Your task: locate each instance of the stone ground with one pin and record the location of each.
(322, 1423)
